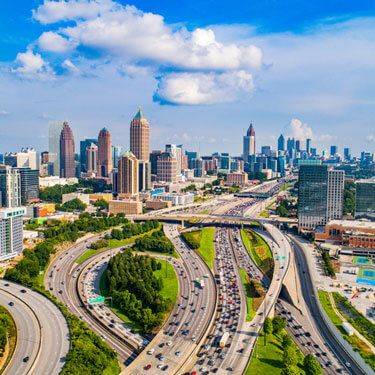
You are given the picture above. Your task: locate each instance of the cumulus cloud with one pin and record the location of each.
(52, 42)
(299, 130)
(201, 88)
(3, 112)
(52, 11)
(32, 66)
(146, 43)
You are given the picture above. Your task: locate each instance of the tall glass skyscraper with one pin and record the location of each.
(365, 199)
(54, 131)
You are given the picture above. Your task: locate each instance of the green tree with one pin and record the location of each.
(278, 324)
(290, 370)
(290, 357)
(101, 204)
(287, 341)
(267, 328)
(311, 365)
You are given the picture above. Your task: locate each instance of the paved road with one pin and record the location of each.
(61, 280)
(42, 330)
(177, 341)
(311, 302)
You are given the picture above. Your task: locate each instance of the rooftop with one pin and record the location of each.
(355, 224)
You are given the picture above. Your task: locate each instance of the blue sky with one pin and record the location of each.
(201, 71)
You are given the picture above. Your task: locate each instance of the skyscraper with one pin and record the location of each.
(298, 145)
(127, 177)
(29, 185)
(333, 150)
(10, 187)
(320, 195)
(347, 155)
(105, 164)
(116, 154)
(281, 143)
(82, 151)
(67, 163)
(308, 145)
(144, 175)
(91, 158)
(54, 131)
(140, 137)
(176, 151)
(249, 143)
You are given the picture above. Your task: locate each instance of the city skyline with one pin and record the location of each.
(97, 85)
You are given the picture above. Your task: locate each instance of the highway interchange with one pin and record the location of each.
(206, 332)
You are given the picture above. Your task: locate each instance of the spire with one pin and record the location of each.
(250, 131)
(139, 114)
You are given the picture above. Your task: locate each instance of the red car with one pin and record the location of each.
(147, 367)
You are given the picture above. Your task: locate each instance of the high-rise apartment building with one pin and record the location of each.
(11, 232)
(127, 175)
(167, 168)
(365, 199)
(67, 155)
(105, 164)
(91, 160)
(54, 132)
(82, 151)
(249, 143)
(140, 137)
(281, 143)
(320, 195)
(27, 158)
(10, 187)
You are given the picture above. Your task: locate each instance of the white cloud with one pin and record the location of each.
(3, 112)
(132, 70)
(299, 130)
(370, 138)
(32, 66)
(53, 42)
(325, 138)
(64, 10)
(201, 88)
(68, 65)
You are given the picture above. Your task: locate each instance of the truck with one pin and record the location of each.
(224, 339)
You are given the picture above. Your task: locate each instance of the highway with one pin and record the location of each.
(61, 280)
(307, 285)
(42, 331)
(176, 343)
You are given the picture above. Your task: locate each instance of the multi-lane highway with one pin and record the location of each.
(176, 343)
(42, 331)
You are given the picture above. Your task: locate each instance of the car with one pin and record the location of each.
(26, 359)
(161, 345)
(60, 292)
(23, 291)
(6, 284)
(11, 303)
(178, 353)
(164, 368)
(347, 364)
(151, 351)
(147, 367)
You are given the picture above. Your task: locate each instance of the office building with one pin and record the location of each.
(333, 150)
(266, 150)
(44, 157)
(29, 179)
(105, 164)
(54, 132)
(365, 199)
(237, 178)
(140, 137)
(320, 195)
(91, 160)
(116, 154)
(298, 145)
(154, 160)
(82, 149)
(281, 143)
(197, 166)
(67, 155)
(167, 168)
(144, 175)
(10, 187)
(249, 143)
(126, 206)
(127, 175)
(11, 232)
(308, 145)
(347, 155)
(176, 151)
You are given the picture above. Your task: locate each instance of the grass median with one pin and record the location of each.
(258, 250)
